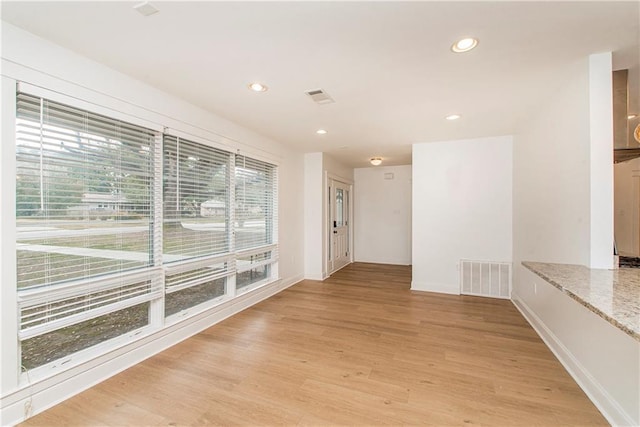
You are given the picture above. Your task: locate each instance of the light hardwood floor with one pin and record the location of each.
(357, 349)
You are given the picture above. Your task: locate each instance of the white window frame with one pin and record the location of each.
(34, 297)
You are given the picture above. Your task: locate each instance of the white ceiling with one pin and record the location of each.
(387, 64)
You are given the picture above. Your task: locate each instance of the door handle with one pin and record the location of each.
(335, 231)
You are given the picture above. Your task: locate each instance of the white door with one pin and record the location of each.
(339, 236)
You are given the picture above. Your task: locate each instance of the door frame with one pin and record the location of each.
(635, 187)
(328, 223)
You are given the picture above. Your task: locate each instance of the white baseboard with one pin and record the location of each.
(385, 261)
(609, 408)
(441, 288)
(43, 394)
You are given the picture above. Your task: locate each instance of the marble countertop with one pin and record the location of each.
(613, 295)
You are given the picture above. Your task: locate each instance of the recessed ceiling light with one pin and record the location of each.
(376, 161)
(632, 116)
(321, 132)
(258, 87)
(464, 45)
(145, 8)
(453, 117)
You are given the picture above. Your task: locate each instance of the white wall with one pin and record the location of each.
(318, 168)
(627, 209)
(601, 160)
(291, 216)
(554, 191)
(30, 59)
(462, 197)
(337, 170)
(382, 215)
(563, 173)
(313, 217)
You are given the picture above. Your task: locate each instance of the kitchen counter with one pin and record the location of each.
(613, 295)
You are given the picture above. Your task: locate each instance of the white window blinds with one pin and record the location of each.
(255, 201)
(83, 193)
(196, 200)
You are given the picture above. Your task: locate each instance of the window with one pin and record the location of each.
(83, 214)
(254, 266)
(83, 193)
(65, 341)
(196, 228)
(254, 204)
(255, 183)
(190, 285)
(339, 208)
(115, 220)
(196, 200)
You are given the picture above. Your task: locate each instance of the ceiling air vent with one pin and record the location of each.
(145, 8)
(319, 96)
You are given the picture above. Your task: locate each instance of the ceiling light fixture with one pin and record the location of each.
(321, 132)
(145, 8)
(464, 45)
(376, 161)
(258, 87)
(453, 117)
(632, 116)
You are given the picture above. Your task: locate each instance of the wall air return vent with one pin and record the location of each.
(319, 96)
(485, 278)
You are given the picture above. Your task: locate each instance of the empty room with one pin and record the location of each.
(320, 213)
